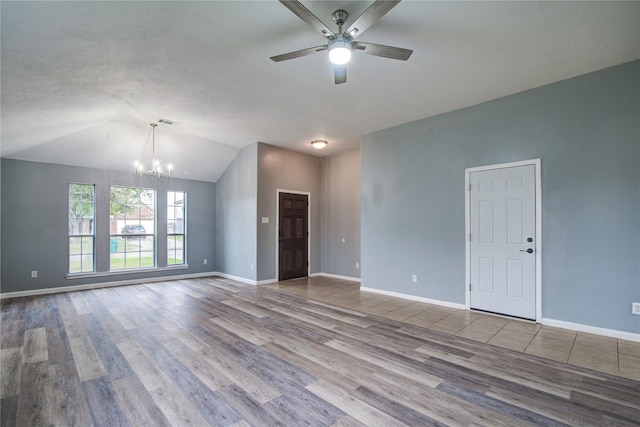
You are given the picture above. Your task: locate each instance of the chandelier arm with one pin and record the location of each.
(153, 147)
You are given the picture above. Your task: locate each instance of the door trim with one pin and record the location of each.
(538, 226)
(277, 221)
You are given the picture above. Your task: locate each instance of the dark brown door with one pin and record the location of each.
(293, 252)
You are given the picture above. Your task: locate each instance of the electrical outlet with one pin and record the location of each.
(635, 308)
(251, 267)
(205, 260)
(414, 278)
(357, 265)
(34, 274)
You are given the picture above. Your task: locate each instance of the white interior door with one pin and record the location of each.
(503, 241)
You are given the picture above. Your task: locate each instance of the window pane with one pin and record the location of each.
(87, 244)
(87, 262)
(146, 259)
(175, 257)
(75, 245)
(132, 260)
(75, 263)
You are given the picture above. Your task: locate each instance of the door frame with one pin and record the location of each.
(277, 221)
(538, 226)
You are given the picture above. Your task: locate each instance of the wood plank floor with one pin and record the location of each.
(216, 352)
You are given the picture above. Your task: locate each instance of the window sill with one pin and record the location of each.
(71, 276)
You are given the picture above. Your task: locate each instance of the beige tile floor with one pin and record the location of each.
(601, 353)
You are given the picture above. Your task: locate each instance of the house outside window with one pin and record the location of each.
(81, 228)
(132, 228)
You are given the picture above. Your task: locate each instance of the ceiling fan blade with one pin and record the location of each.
(298, 53)
(377, 10)
(340, 73)
(384, 51)
(308, 17)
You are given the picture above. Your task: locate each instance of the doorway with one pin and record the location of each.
(504, 239)
(293, 235)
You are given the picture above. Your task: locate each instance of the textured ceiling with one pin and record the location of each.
(81, 81)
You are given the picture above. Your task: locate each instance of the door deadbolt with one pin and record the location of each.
(529, 239)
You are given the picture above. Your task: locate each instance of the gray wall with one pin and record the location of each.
(286, 170)
(35, 217)
(341, 213)
(236, 194)
(586, 130)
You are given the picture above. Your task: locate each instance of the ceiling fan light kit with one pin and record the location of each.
(340, 50)
(341, 44)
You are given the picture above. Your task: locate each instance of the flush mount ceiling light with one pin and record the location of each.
(156, 168)
(319, 144)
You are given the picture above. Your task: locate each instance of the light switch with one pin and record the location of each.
(265, 220)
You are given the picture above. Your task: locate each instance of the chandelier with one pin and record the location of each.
(156, 168)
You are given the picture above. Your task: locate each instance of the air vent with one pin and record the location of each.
(168, 122)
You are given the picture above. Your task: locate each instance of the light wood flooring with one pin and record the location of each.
(216, 352)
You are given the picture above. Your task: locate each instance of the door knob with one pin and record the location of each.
(529, 251)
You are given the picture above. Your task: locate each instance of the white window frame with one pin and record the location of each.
(127, 238)
(82, 235)
(173, 226)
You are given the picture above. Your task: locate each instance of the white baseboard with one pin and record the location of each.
(247, 281)
(415, 298)
(60, 289)
(336, 276)
(591, 329)
(545, 321)
(270, 281)
(237, 278)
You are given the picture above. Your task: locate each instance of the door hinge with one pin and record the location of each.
(469, 236)
(469, 186)
(469, 287)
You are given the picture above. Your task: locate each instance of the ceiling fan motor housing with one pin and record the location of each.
(340, 17)
(342, 40)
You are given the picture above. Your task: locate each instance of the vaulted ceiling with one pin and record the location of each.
(82, 81)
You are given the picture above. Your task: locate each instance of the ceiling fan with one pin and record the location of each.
(342, 43)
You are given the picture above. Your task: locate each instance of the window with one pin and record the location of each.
(132, 228)
(81, 228)
(175, 227)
